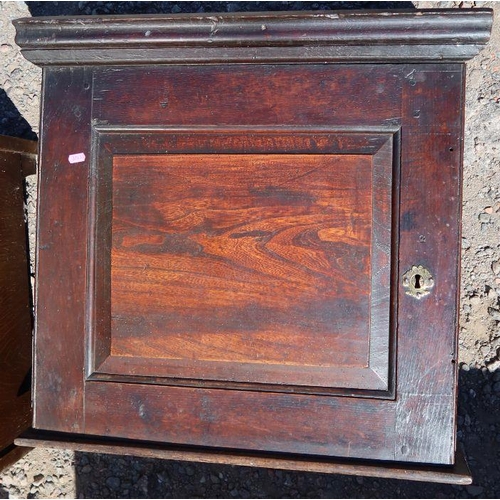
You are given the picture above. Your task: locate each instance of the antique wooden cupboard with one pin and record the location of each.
(248, 237)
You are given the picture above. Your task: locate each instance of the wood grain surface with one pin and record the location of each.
(263, 96)
(254, 38)
(247, 258)
(62, 251)
(17, 158)
(293, 423)
(458, 473)
(427, 344)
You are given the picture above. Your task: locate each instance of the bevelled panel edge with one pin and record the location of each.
(342, 36)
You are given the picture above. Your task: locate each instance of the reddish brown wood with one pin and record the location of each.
(230, 96)
(124, 364)
(17, 159)
(209, 218)
(21, 151)
(429, 234)
(251, 420)
(224, 269)
(231, 260)
(163, 206)
(62, 250)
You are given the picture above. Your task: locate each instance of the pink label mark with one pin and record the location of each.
(76, 158)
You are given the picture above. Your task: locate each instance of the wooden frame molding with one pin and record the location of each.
(424, 35)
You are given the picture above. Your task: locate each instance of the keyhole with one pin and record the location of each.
(417, 284)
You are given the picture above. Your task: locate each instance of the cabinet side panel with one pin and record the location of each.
(15, 308)
(62, 250)
(429, 236)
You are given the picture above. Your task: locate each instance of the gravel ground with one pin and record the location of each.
(51, 474)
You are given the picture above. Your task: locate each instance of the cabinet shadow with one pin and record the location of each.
(12, 123)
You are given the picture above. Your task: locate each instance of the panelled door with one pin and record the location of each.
(255, 257)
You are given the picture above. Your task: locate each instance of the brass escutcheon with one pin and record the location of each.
(418, 282)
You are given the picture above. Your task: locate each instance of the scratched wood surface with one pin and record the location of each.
(257, 37)
(140, 354)
(264, 95)
(432, 178)
(208, 342)
(458, 473)
(436, 89)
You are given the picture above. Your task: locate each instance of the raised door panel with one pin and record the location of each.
(237, 269)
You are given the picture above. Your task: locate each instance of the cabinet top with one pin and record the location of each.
(285, 37)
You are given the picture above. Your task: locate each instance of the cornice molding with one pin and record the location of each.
(326, 36)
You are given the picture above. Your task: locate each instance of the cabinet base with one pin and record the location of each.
(458, 473)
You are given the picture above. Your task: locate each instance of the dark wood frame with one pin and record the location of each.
(429, 228)
(254, 38)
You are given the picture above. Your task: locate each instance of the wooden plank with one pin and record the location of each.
(226, 96)
(19, 146)
(62, 250)
(26, 150)
(457, 474)
(253, 420)
(15, 299)
(429, 233)
(12, 454)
